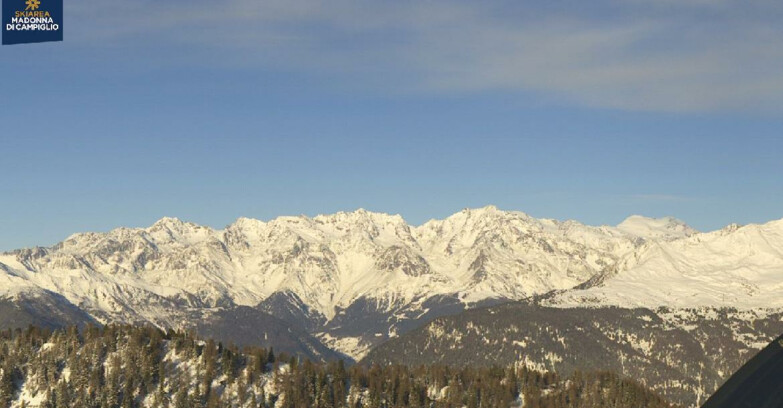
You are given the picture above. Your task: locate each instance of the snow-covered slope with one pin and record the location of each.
(739, 267)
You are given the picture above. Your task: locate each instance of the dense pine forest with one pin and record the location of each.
(123, 366)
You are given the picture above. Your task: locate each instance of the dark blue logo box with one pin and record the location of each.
(32, 21)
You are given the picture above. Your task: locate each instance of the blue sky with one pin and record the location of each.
(211, 111)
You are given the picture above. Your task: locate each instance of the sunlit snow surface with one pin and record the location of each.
(739, 267)
(328, 261)
(331, 261)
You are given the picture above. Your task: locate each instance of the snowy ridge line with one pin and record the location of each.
(341, 268)
(328, 260)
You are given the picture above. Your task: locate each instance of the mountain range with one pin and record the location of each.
(342, 284)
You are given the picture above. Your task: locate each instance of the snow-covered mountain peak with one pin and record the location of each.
(363, 225)
(665, 228)
(489, 212)
(245, 223)
(481, 218)
(170, 229)
(482, 210)
(170, 222)
(360, 216)
(245, 232)
(175, 225)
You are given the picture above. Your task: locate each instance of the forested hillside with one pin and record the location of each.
(684, 355)
(123, 366)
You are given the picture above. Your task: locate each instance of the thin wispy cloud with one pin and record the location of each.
(691, 56)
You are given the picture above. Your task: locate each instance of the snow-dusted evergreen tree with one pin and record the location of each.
(130, 367)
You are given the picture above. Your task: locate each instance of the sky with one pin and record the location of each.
(210, 111)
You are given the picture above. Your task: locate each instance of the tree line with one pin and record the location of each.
(118, 366)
